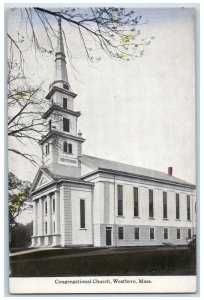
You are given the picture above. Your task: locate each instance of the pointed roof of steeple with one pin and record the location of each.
(60, 44)
(60, 71)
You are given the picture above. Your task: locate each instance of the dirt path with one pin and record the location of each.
(31, 251)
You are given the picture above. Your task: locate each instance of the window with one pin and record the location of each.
(189, 234)
(65, 86)
(178, 234)
(65, 147)
(66, 124)
(166, 234)
(45, 207)
(50, 125)
(188, 208)
(53, 226)
(47, 149)
(64, 102)
(136, 210)
(45, 227)
(120, 233)
(53, 205)
(177, 207)
(151, 206)
(151, 233)
(165, 205)
(120, 200)
(137, 233)
(70, 148)
(82, 213)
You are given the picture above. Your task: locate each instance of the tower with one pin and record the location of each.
(61, 146)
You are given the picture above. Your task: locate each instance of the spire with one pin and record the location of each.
(60, 72)
(60, 45)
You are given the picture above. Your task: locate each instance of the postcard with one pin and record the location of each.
(101, 131)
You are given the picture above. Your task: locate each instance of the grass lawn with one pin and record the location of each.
(104, 262)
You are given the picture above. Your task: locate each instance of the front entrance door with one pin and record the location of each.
(108, 236)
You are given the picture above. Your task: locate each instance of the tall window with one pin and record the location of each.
(45, 207)
(53, 205)
(165, 205)
(166, 233)
(53, 226)
(50, 125)
(151, 233)
(64, 102)
(65, 147)
(120, 200)
(177, 207)
(189, 234)
(120, 233)
(82, 213)
(70, 148)
(151, 204)
(45, 227)
(47, 149)
(188, 208)
(137, 233)
(178, 234)
(65, 124)
(136, 208)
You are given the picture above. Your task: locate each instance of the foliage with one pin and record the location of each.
(18, 198)
(115, 30)
(21, 236)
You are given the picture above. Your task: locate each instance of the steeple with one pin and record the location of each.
(60, 71)
(62, 145)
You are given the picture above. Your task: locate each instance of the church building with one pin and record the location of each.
(81, 200)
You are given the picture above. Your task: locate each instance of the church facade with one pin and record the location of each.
(81, 200)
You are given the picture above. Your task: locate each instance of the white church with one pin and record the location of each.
(81, 200)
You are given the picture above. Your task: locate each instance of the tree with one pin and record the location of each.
(18, 198)
(25, 109)
(21, 236)
(115, 30)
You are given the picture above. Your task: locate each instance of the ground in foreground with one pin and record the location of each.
(104, 262)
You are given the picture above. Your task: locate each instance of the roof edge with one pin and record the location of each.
(103, 170)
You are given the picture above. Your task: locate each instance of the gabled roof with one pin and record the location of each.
(120, 168)
(41, 171)
(53, 179)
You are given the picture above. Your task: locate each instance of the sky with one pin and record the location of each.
(140, 112)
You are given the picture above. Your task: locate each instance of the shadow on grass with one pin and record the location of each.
(61, 263)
